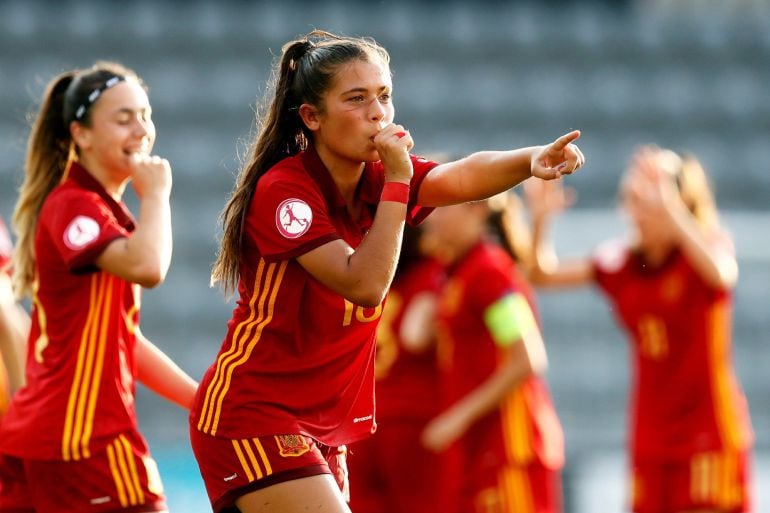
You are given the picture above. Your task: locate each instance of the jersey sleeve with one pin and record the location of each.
(81, 225)
(421, 167)
(288, 219)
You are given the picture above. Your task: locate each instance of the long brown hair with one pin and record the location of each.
(507, 223)
(304, 73)
(50, 150)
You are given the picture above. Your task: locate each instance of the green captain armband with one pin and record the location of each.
(509, 318)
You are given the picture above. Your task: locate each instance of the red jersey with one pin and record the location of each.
(80, 360)
(407, 381)
(525, 428)
(6, 248)
(298, 358)
(686, 398)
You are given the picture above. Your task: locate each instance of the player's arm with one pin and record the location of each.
(14, 329)
(417, 331)
(484, 174)
(145, 255)
(363, 275)
(656, 193)
(544, 200)
(161, 375)
(513, 328)
(712, 259)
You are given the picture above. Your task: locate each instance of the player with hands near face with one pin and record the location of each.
(69, 441)
(312, 235)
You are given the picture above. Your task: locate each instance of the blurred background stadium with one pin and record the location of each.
(690, 75)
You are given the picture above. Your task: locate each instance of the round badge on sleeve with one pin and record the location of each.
(80, 232)
(293, 218)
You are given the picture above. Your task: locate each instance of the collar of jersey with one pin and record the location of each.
(368, 186)
(85, 180)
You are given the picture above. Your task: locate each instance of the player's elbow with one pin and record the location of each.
(536, 356)
(368, 299)
(149, 276)
(538, 363)
(367, 294)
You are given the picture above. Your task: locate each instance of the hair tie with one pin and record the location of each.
(95, 94)
(300, 49)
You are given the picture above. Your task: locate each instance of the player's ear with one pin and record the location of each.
(80, 134)
(309, 115)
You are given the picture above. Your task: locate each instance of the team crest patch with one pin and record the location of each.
(291, 446)
(293, 218)
(80, 232)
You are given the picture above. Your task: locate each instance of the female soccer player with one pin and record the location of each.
(670, 285)
(311, 239)
(69, 441)
(499, 419)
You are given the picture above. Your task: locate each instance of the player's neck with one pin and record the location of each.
(113, 184)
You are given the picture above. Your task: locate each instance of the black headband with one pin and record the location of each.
(95, 94)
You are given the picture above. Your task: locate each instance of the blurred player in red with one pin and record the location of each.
(14, 327)
(671, 286)
(311, 239)
(499, 419)
(69, 441)
(392, 471)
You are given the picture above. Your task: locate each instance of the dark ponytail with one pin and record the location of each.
(507, 224)
(49, 150)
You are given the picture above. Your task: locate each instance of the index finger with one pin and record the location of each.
(560, 143)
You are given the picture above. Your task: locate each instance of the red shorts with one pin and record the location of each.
(233, 468)
(709, 480)
(513, 489)
(120, 477)
(391, 472)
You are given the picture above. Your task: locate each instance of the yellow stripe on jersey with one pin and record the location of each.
(101, 349)
(204, 422)
(251, 344)
(729, 423)
(243, 346)
(85, 380)
(516, 490)
(517, 429)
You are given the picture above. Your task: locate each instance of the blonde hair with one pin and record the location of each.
(50, 151)
(697, 193)
(693, 186)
